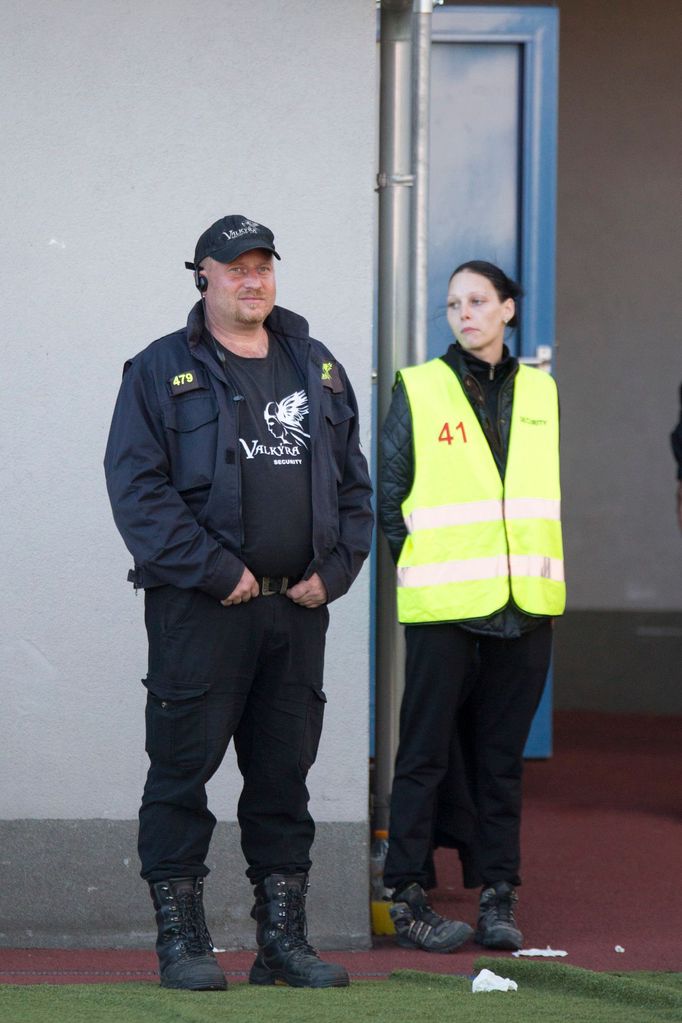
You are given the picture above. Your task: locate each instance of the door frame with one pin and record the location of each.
(536, 30)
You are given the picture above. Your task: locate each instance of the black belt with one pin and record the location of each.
(269, 584)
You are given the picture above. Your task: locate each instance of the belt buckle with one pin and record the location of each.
(268, 589)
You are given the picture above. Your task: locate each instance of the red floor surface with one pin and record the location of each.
(602, 845)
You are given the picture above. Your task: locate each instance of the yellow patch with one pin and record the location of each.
(327, 368)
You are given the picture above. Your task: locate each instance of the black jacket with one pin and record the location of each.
(173, 469)
(491, 393)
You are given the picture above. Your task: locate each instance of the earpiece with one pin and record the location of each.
(200, 281)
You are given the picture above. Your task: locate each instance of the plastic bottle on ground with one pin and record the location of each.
(380, 897)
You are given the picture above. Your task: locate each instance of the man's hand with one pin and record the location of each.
(679, 504)
(246, 588)
(309, 592)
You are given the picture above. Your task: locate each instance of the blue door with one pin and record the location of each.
(492, 178)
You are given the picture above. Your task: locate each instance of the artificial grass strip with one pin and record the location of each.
(562, 996)
(643, 991)
(670, 980)
(562, 993)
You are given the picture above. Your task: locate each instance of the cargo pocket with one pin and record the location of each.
(176, 731)
(173, 620)
(312, 730)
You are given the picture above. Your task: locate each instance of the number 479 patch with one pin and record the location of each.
(183, 382)
(446, 436)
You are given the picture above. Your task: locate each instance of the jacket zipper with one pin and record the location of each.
(237, 398)
(488, 426)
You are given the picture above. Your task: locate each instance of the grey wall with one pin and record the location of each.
(619, 357)
(126, 131)
(619, 324)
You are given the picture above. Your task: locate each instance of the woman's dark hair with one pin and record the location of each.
(503, 285)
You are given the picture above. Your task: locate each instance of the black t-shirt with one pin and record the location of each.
(275, 462)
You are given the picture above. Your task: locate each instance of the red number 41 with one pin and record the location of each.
(446, 436)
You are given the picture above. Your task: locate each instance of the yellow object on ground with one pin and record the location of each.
(381, 917)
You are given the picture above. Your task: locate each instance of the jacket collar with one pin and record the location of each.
(282, 322)
(467, 364)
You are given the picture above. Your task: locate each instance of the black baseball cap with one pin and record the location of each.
(229, 237)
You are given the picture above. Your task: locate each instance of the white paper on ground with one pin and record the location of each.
(489, 981)
(540, 952)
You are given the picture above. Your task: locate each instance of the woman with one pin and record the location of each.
(470, 509)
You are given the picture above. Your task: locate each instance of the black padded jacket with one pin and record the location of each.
(173, 471)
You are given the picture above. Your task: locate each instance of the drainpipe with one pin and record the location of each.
(402, 299)
(421, 91)
(395, 183)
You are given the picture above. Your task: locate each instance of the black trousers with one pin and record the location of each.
(496, 684)
(253, 672)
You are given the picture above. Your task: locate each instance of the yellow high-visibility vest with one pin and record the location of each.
(473, 539)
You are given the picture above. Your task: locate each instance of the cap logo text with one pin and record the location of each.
(248, 227)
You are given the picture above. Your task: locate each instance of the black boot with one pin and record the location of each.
(184, 946)
(419, 926)
(284, 955)
(496, 926)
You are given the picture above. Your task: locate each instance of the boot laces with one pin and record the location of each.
(501, 908)
(295, 924)
(505, 911)
(192, 925)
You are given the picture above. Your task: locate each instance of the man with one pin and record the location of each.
(237, 481)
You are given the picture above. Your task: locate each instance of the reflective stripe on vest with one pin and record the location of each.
(483, 511)
(473, 541)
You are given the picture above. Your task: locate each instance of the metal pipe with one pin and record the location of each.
(395, 183)
(421, 91)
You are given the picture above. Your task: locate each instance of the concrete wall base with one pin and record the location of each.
(619, 661)
(75, 884)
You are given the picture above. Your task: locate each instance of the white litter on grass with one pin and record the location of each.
(219, 949)
(489, 981)
(619, 948)
(548, 952)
